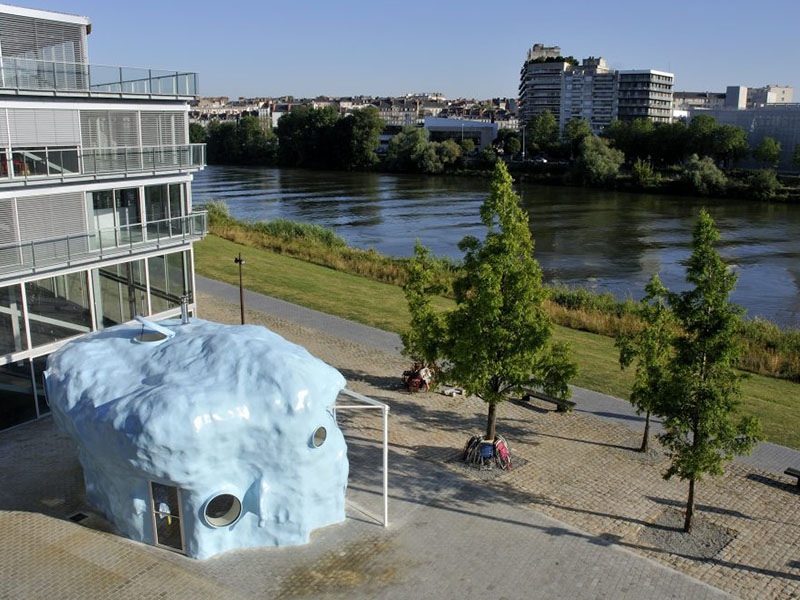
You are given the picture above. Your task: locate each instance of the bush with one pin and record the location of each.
(597, 161)
(703, 176)
(763, 184)
(644, 175)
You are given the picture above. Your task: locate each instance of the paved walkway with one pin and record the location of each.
(767, 456)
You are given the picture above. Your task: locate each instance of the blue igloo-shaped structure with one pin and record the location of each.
(204, 437)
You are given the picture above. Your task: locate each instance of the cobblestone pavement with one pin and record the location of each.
(565, 523)
(766, 456)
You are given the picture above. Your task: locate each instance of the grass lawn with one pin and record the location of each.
(382, 305)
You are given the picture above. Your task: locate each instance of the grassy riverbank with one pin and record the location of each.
(768, 350)
(382, 305)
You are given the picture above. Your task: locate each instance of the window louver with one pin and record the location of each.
(163, 128)
(109, 129)
(52, 216)
(43, 127)
(26, 37)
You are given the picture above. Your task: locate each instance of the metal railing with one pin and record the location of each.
(100, 244)
(60, 161)
(57, 75)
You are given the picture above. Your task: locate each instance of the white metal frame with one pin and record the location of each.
(363, 402)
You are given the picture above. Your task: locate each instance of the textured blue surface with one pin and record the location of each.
(214, 409)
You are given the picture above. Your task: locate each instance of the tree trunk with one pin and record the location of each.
(687, 524)
(646, 436)
(491, 421)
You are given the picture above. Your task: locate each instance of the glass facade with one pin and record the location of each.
(120, 293)
(62, 307)
(12, 327)
(170, 278)
(58, 308)
(17, 402)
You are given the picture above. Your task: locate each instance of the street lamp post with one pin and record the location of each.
(240, 261)
(523, 142)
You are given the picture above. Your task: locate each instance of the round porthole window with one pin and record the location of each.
(319, 437)
(223, 510)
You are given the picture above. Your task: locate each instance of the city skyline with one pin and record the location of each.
(460, 50)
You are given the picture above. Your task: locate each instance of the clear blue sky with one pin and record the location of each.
(463, 49)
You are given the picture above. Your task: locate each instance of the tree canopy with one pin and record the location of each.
(768, 152)
(541, 134)
(700, 400)
(497, 339)
(597, 162)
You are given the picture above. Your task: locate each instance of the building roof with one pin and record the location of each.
(48, 15)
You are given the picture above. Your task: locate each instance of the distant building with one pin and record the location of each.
(645, 94)
(541, 80)
(769, 94)
(482, 134)
(778, 121)
(590, 90)
(687, 100)
(738, 96)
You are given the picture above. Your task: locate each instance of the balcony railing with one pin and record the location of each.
(65, 162)
(101, 244)
(62, 76)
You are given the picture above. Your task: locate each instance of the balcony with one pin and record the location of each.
(60, 77)
(44, 164)
(95, 246)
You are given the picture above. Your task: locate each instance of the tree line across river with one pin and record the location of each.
(674, 157)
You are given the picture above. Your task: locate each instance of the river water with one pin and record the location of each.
(605, 241)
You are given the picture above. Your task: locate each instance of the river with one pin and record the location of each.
(603, 240)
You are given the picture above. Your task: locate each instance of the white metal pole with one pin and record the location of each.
(386, 466)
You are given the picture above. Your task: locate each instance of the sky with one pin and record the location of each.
(461, 49)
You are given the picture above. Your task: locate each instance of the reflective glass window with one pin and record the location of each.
(169, 280)
(119, 293)
(12, 327)
(58, 308)
(17, 403)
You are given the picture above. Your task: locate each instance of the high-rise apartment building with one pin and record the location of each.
(96, 219)
(591, 90)
(645, 94)
(541, 79)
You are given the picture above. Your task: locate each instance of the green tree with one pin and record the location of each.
(357, 138)
(467, 146)
(796, 156)
(730, 144)
(222, 143)
(449, 154)
(669, 143)
(197, 133)
(704, 385)
(541, 134)
(643, 174)
(768, 152)
(703, 176)
(651, 348)
(410, 151)
(498, 335)
(575, 131)
(764, 184)
(425, 338)
(512, 146)
(634, 138)
(702, 129)
(487, 158)
(257, 146)
(597, 162)
(307, 138)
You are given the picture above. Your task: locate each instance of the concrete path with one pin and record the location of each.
(767, 456)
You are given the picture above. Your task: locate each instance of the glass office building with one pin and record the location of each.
(96, 219)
